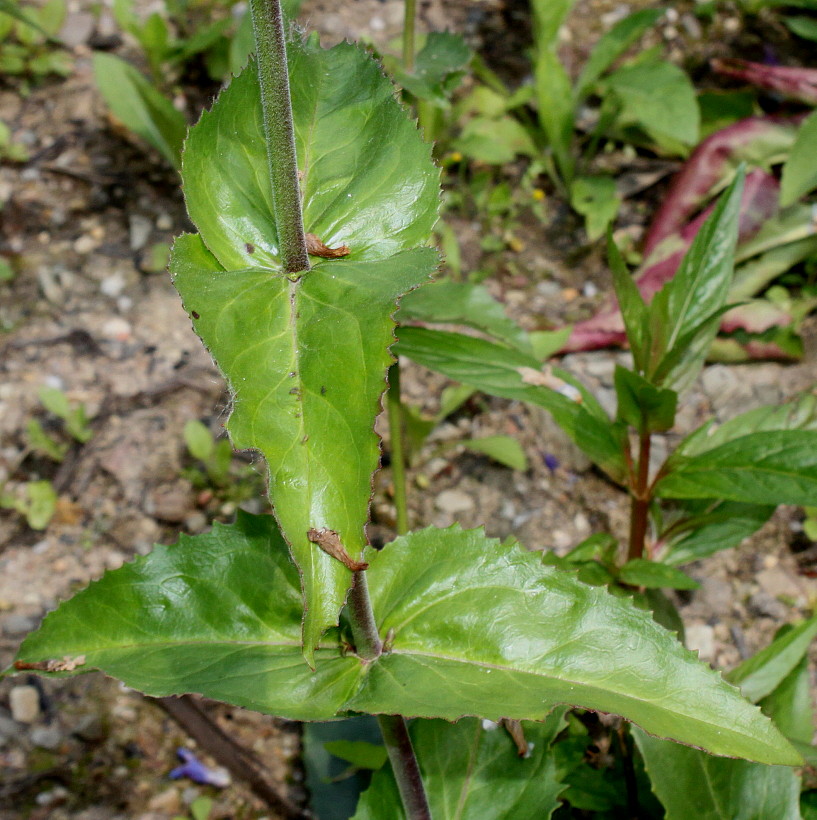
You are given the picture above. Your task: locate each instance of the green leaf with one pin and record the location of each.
(805, 27)
(504, 449)
(436, 64)
(710, 526)
(198, 439)
(41, 504)
(554, 97)
(16, 11)
(306, 363)
(502, 371)
(360, 753)
(548, 16)
(777, 467)
(684, 312)
(789, 705)
(39, 440)
(200, 616)
(368, 180)
(761, 674)
(612, 45)
(464, 303)
(494, 141)
(690, 783)
(799, 171)
(597, 200)
(142, 109)
(650, 574)
(798, 414)
(808, 804)
(634, 310)
(647, 408)
(574, 644)
(474, 773)
(658, 97)
(55, 401)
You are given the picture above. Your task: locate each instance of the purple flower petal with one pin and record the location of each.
(196, 771)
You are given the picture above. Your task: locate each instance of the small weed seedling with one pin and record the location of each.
(313, 209)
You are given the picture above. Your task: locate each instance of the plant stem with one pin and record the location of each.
(394, 407)
(270, 44)
(405, 767)
(640, 506)
(369, 647)
(408, 35)
(364, 627)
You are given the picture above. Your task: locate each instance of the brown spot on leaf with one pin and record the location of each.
(317, 248)
(250, 247)
(67, 664)
(195, 314)
(514, 729)
(329, 542)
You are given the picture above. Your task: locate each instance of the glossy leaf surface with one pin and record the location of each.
(502, 371)
(647, 408)
(367, 177)
(475, 627)
(690, 783)
(306, 363)
(218, 614)
(478, 627)
(474, 773)
(778, 467)
(135, 102)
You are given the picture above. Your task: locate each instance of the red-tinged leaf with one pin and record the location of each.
(606, 328)
(795, 83)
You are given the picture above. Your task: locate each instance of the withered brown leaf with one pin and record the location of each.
(329, 541)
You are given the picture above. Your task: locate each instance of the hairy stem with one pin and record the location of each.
(640, 506)
(408, 34)
(405, 767)
(398, 459)
(268, 25)
(364, 627)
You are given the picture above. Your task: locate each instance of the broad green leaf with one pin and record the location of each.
(789, 705)
(647, 408)
(472, 772)
(658, 97)
(778, 467)
(708, 526)
(597, 200)
(541, 637)
(805, 27)
(554, 97)
(41, 503)
(306, 364)
(464, 303)
(504, 449)
(634, 310)
(650, 574)
(474, 627)
(761, 674)
(512, 374)
(692, 784)
(368, 180)
(798, 414)
(612, 45)
(684, 309)
(799, 171)
(142, 109)
(218, 614)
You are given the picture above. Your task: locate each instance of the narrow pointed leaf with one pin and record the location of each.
(778, 467)
(478, 627)
(306, 365)
(634, 310)
(511, 374)
(789, 705)
(217, 614)
(690, 783)
(474, 773)
(761, 674)
(799, 174)
(368, 180)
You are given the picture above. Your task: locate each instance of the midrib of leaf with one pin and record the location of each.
(472, 758)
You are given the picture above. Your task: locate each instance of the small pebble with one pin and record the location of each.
(454, 501)
(18, 625)
(85, 244)
(24, 702)
(46, 737)
(140, 228)
(701, 638)
(164, 222)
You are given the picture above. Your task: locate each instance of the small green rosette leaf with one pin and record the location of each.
(474, 772)
(306, 359)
